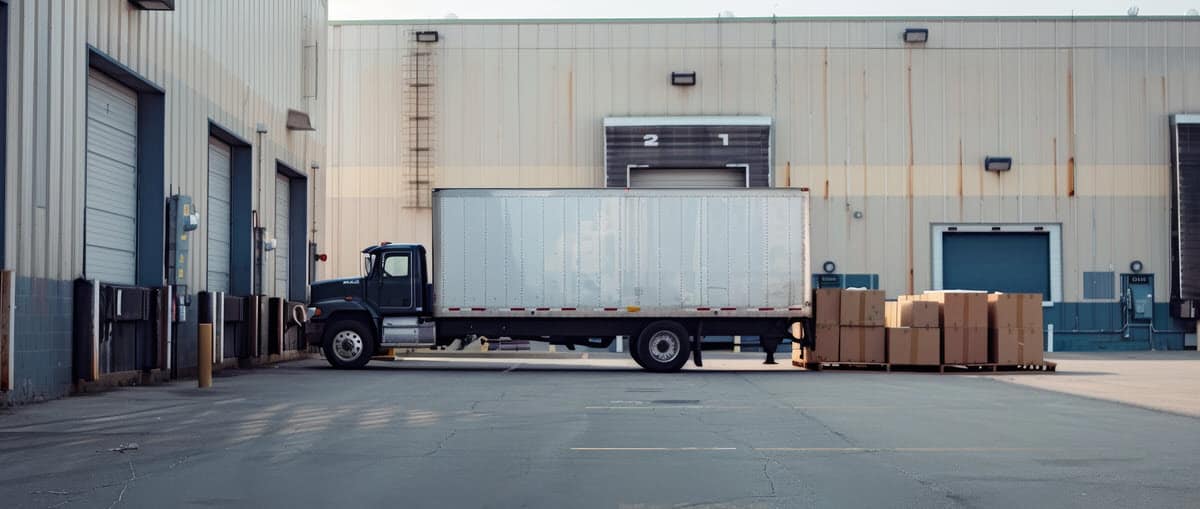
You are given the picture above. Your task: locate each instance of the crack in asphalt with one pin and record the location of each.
(437, 448)
(124, 487)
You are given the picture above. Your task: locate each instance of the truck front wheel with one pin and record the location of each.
(348, 344)
(663, 347)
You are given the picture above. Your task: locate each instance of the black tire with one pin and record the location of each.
(355, 344)
(633, 352)
(664, 347)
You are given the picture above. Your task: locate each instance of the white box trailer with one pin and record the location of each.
(664, 267)
(609, 252)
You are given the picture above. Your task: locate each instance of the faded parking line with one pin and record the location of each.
(650, 449)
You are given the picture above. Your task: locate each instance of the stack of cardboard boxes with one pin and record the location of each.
(963, 317)
(861, 336)
(1015, 328)
(937, 327)
(849, 326)
(913, 332)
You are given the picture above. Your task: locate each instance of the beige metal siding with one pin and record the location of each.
(234, 62)
(871, 125)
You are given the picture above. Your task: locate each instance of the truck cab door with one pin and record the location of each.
(396, 283)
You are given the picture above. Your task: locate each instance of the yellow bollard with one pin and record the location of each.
(204, 355)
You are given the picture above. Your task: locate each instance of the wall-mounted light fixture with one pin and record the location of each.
(427, 36)
(154, 5)
(916, 35)
(683, 79)
(1136, 266)
(299, 121)
(829, 267)
(993, 163)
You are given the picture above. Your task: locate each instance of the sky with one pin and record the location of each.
(490, 9)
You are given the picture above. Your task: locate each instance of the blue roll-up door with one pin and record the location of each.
(1011, 262)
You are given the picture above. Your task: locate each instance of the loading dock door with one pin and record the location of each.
(1014, 262)
(282, 239)
(219, 220)
(672, 178)
(110, 203)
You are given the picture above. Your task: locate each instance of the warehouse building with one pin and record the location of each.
(1010, 154)
(160, 162)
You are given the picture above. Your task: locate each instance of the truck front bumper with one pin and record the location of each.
(314, 332)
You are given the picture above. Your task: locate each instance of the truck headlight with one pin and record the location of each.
(313, 312)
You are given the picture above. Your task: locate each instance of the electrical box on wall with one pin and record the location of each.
(1138, 296)
(868, 281)
(182, 219)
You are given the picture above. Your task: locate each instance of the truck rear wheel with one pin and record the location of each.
(663, 347)
(349, 344)
(633, 352)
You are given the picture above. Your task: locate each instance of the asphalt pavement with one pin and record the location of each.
(511, 432)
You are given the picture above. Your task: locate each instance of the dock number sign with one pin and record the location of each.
(671, 142)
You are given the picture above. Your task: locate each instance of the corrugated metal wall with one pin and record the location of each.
(237, 63)
(234, 62)
(869, 124)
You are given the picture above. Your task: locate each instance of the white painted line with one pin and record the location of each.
(651, 449)
(900, 449)
(667, 407)
(513, 367)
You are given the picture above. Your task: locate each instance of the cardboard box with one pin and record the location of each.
(918, 313)
(914, 346)
(862, 344)
(827, 339)
(1015, 310)
(827, 306)
(964, 345)
(1015, 345)
(891, 314)
(862, 308)
(961, 309)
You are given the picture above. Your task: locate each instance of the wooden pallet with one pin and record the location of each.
(821, 366)
(1046, 366)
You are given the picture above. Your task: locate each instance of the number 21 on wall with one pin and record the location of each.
(651, 140)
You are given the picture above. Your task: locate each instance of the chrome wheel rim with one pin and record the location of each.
(665, 346)
(347, 345)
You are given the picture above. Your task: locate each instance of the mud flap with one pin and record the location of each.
(698, 345)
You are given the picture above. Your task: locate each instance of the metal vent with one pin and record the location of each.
(1099, 285)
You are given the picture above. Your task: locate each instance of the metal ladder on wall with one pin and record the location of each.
(419, 107)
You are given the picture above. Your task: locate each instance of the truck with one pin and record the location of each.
(662, 267)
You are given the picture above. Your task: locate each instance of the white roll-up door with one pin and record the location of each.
(282, 245)
(219, 219)
(110, 208)
(673, 178)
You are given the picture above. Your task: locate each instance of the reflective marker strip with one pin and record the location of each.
(543, 309)
(478, 309)
(703, 309)
(455, 309)
(567, 309)
(766, 309)
(611, 309)
(728, 309)
(516, 309)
